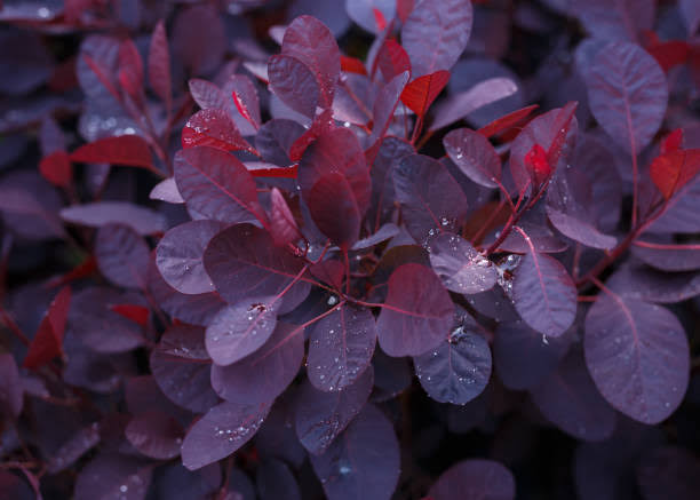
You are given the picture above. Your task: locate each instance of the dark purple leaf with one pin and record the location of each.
(277, 437)
(217, 186)
(179, 256)
(275, 138)
(475, 479)
(616, 20)
(363, 12)
(570, 400)
(159, 65)
(638, 356)
(691, 15)
(436, 35)
(113, 476)
(276, 481)
(544, 294)
(417, 314)
(668, 256)
(155, 435)
(331, 13)
(220, 432)
(11, 394)
(143, 220)
(458, 370)
(123, 256)
(199, 38)
(392, 376)
(474, 155)
(363, 462)
(386, 232)
(341, 346)
(669, 472)
(431, 200)
(460, 266)
(541, 236)
(334, 209)
(175, 480)
(391, 150)
(244, 262)
(385, 105)
(322, 416)
(628, 94)
(76, 446)
(265, 374)
(241, 329)
(295, 84)
(27, 66)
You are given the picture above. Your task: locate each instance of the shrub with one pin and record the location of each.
(233, 231)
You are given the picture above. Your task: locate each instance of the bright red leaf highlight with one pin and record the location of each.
(48, 341)
(419, 94)
(672, 171)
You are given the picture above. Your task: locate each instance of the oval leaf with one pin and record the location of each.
(460, 266)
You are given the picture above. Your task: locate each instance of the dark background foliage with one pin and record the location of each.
(362, 249)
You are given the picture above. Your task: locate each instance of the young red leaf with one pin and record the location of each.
(672, 142)
(352, 65)
(131, 70)
(628, 94)
(48, 341)
(670, 172)
(129, 150)
(57, 169)
(670, 54)
(460, 266)
(475, 479)
(123, 257)
(638, 356)
(217, 185)
(691, 15)
(474, 155)
(294, 83)
(436, 34)
(506, 122)
(420, 94)
(138, 314)
(283, 226)
(159, 65)
(334, 209)
(404, 8)
(537, 165)
(392, 60)
(341, 346)
(214, 128)
(417, 313)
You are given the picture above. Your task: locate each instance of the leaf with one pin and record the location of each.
(75, 447)
(143, 220)
(638, 356)
(363, 462)
(506, 122)
(48, 341)
(217, 185)
(128, 150)
(460, 266)
(392, 60)
(110, 475)
(138, 314)
(241, 329)
(275, 480)
(220, 432)
(155, 435)
(334, 209)
(180, 252)
(670, 172)
(474, 479)
(275, 139)
(122, 256)
(691, 15)
(417, 313)
(458, 370)
(322, 416)
(431, 200)
(159, 65)
(341, 346)
(385, 106)
(308, 40)
(627, 94)
(616, 19)
(668, 257)
(244, 262)
(167, 191)
(294, 83)
(458, 106)
(265, 374)
(420, 94)
(11, 393)
(544, 294)
(57, 169)
(245, 99)
(363, 12)
(131, 69)
(382, 207)
(207, 94)
(474, 155)
(283, 226)
(570, 400)
(199, 39)
(214, 128)
(668, 472)
(352, 65)
(436, 35)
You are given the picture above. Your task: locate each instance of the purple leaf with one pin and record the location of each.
(143, 220)
(475, 479)
(308, 40)
(385, 105)
(340, 348)
(114, 476)
(155, 435)
(617, 19)
(474, 155)
(275, 138)
(179, 256)
(644, 283)
(334, 209)
(220, 432)
(569, 399)
(669, 472)
(207, 94)
(294, 83)
(544, 294)
(417, 314)
(363, 12)
(265, 374)
(276, 481)
(123, 256)
(458, 370)
(391, 150)
(11, 394)
(75, 447)
(460, 266)
(244, 262)
(199, 38)
(668, 257)
(628, 94)
(435, 35)
(322, 416)
(384, 233)
(175, 480)
(431, 200)
(167, 191)
(159, 65)
(245, 101)
(241, 329)
(217, 185)
(691, 15)
(525, 358)
(363, 462)
(638, 356)
(216, 129)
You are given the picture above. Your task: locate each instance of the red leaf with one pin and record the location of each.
(352, 65)
(57, 169)
(672, 171)
(261, 169)
(422, 92)
(670, 54)
(82, 270)
(379, 19)
(404, 8)
(672, 142)
(216, 129)
(48, 341)
(129, 150)
(137, 314)
(506, 122)
(538, 165)
(392, 60)
(283, 226)
(159, 65)
(131, 69)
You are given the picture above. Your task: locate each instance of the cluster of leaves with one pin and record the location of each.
(237, 243)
